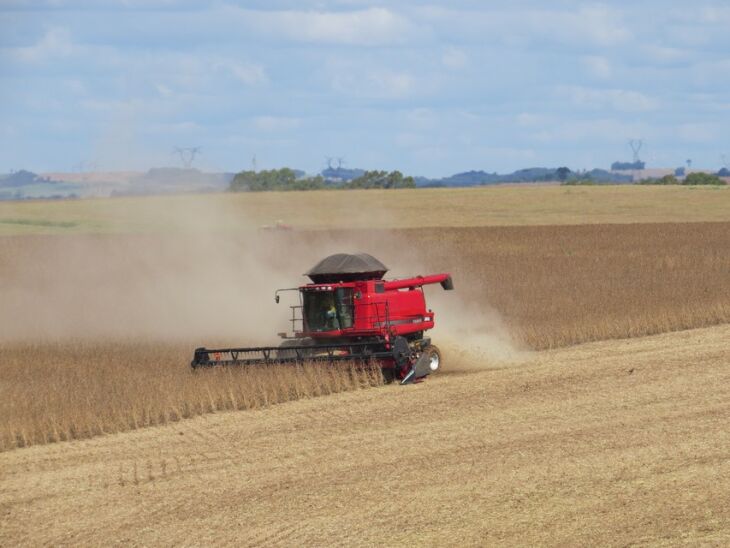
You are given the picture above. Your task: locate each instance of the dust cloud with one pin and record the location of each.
(472, 336)
(207, 278)
(203, 280)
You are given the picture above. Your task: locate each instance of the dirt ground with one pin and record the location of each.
(608, 443)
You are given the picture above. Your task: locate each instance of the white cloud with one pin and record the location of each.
(598, 24)
(55, 43)
(604, 130)
(369, 27)
(707, 73)
(275, 124)
(248, 73)
(592, 25)
(421, 118)
(598, 67)
(74, 86)
(374, 83)
(715, 15)
(407, 139)
(438, 75)
(509, 154)
(7, 130)
(163, 90)
(175, 128)
(454, 58)
(616, 99)
(665, 54)
(528, 119)
(697, 132)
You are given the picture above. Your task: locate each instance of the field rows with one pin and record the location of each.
(115, 319)
(610, 443)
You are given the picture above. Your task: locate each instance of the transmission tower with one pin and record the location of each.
(725, 162)
(689, 163)
(636, 145)
(253, 163)
(340, 162)
(329, 159)
(187, 155)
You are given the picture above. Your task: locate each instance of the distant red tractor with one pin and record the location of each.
(350, 313)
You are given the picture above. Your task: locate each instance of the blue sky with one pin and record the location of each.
(427, 88)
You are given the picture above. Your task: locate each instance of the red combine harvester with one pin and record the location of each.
(350, 313)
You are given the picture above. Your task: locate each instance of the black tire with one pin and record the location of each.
(435, 358)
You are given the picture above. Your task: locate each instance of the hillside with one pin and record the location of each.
(608, 443)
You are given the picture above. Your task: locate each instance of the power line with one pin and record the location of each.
(187, 155)
(636, 145)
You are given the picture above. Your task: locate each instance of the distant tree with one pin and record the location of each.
(724, 172)
(381, 179)
(369, 179)
(273, 179)
(666, 180)
(702, 179)
(562, 173)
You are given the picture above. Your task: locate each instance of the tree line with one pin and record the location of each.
(697, 178)
(287, 179)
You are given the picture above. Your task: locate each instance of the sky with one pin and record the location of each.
(429, 88)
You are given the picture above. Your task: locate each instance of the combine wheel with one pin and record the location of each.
(434, 358)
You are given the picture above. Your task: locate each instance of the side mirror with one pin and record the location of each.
(276, 298)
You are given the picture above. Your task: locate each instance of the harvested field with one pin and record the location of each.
(438, 207)
(522, 439)
(138, 308)
(612, 443)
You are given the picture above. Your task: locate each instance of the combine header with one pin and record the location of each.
(350, 313)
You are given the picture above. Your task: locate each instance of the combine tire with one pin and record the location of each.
(434, 356)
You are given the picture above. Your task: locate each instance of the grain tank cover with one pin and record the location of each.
(344, 267)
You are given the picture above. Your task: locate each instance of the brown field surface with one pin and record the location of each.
(611, 443)
(99, 339)
(484, 206)
(584, 397)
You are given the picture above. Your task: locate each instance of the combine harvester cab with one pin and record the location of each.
(350, 313)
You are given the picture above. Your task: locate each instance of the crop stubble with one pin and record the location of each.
(614, 443)
(549, 286)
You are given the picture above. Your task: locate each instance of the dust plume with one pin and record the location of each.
(470, 333)
(472, 337)
(201, 275)
(204, 279)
